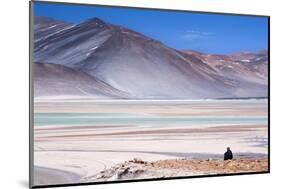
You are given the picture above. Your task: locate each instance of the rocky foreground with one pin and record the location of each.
(138, 169)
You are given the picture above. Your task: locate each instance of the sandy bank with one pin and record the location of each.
(138, 169)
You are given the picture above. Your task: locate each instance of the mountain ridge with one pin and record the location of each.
(144, 68)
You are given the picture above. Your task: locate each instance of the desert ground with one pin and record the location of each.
(88, 140)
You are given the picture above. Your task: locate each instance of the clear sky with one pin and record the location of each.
(209, 33)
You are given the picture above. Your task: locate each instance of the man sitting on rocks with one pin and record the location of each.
(228, 154)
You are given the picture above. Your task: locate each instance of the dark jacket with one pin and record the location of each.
(228, 155)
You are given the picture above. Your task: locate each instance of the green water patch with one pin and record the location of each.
(109, 119)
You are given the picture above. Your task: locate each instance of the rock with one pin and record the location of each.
(138, 160)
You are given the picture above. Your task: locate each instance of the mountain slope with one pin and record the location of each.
(44, 27)
(57, 80)
(140, 67)
(251, 67)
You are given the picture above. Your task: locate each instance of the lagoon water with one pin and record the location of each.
(153, 113)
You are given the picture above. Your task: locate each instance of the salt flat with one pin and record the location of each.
(85, 137)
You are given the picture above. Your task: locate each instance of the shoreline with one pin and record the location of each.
(65, 97)
(142, 101)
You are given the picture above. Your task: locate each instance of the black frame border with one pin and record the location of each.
(31, 99)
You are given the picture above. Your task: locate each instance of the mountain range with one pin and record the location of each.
(100, 60)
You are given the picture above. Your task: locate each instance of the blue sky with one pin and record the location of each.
(209, 33)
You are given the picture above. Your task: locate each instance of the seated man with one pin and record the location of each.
(228, 154)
